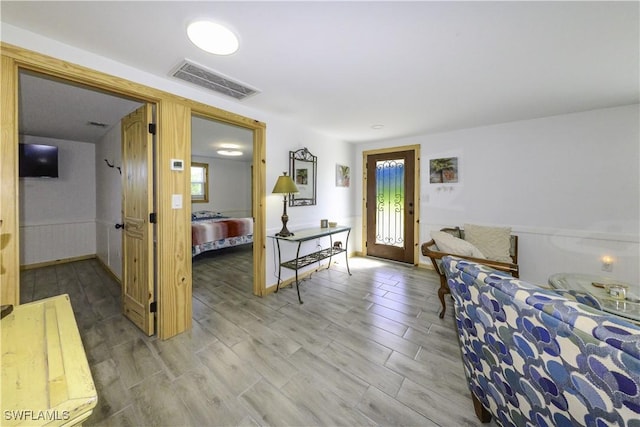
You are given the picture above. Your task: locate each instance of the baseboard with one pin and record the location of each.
(426, 266)
(56, 262)
(110, 271)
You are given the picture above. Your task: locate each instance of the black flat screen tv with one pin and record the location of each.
(36, 160)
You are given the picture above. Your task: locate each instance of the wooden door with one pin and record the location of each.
(390, 205)
(137, 205)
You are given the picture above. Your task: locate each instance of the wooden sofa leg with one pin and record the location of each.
(444, 289)
(481, 412)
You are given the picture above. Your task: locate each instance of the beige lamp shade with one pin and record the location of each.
(285, 185)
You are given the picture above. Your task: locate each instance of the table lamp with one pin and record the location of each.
(284, 185)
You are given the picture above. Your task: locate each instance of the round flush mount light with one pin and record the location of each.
(213, 38)
(376, 127)
(229, 153)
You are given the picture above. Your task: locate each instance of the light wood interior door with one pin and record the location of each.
(137, 204)
(391, 205)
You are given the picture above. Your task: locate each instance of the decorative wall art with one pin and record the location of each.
(343, 175)
(444, 170)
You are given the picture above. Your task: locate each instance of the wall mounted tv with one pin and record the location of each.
(37, 160)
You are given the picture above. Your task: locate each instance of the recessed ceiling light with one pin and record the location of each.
(377, 127)
(229, 152)
(213, 38)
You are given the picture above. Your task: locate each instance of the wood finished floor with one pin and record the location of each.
(367, 349)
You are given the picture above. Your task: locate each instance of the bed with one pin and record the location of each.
(211, 231)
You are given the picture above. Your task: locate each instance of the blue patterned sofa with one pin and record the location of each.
(536, 357)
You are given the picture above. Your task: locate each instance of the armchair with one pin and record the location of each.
(430, 250)
(539, 357)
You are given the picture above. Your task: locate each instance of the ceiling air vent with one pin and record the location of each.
(198, 75)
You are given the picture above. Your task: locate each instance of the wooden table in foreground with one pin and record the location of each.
(45, 374)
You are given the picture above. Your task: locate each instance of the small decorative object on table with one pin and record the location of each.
(324, 223)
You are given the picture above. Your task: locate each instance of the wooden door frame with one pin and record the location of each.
(174, 142)
(416, 195)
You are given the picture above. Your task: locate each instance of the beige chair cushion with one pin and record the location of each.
(494, 242)
(452, 245)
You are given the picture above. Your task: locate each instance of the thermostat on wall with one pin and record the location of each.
(177, 165)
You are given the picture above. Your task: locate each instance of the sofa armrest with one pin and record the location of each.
(429, 249)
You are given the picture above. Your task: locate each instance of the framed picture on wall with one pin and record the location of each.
(443, 170)
(343, 175)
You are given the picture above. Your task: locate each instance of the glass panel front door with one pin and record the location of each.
(390, 202)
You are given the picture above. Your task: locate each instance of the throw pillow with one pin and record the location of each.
(452, 245)
(494, 242)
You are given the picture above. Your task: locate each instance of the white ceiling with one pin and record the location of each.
(341, 67)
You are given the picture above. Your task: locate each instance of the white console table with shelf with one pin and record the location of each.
(301, 261)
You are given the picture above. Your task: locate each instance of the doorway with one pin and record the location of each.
(173, 273)
(222, 201)
(81, 213)
(391, 203)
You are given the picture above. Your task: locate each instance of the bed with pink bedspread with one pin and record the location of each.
(214, 232)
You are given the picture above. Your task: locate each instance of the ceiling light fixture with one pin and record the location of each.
(376, 127)
(229, 152)
(213, 38)
(231, 146)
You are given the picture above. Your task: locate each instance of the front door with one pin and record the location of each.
(390, 205)
(137, 205)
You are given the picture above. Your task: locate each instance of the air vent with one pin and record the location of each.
(198, 75)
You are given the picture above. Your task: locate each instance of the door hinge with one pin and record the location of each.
(153, 307)
(152, 128)
(153, 218)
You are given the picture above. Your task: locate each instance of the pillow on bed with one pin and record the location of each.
(198, 215)
(452, 245)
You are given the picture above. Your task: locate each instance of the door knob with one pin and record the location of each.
(118, 226)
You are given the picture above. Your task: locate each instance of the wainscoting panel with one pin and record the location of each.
(109, 246)
(50, 242)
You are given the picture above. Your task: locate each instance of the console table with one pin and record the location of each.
(306, 235)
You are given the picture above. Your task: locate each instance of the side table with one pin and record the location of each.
(628, 308)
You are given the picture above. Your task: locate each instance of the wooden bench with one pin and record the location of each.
(430, 250)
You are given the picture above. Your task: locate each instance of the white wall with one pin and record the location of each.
(57, 215)
(229, 187)
(568, 186)
(109, 200)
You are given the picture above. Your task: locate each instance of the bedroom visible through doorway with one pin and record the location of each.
(222, 199)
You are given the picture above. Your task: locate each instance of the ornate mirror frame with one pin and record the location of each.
(303, 170)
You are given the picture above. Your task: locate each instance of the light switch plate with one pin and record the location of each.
(176, 201)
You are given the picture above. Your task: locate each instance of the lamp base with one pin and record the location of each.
(285, 218)
(284, 233)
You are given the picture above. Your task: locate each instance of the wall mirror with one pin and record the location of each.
(302, 168)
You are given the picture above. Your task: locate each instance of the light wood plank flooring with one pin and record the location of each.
(367, 349)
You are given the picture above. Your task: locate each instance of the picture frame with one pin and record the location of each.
(443, 170)
(343, 175)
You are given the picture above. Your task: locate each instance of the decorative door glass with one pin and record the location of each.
(390, 202)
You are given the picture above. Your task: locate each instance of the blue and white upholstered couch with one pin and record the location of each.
(538, 357)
